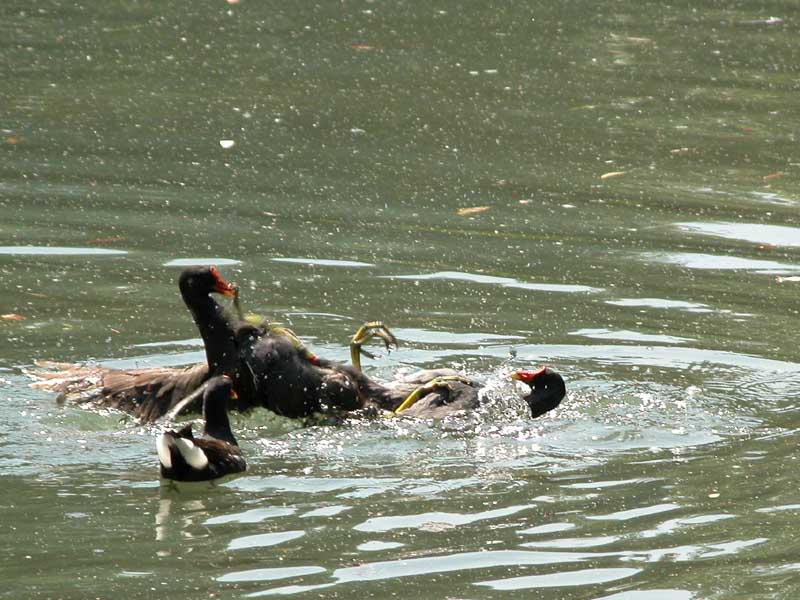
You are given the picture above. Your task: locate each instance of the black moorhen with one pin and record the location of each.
(215, 453)
(547, 389)
(216, 325)
(270, 367)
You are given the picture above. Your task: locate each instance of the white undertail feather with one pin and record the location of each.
(194, 456)
(162, 447)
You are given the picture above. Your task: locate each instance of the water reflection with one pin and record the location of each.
(654, 594)
(563, 579)
(574, 542)
(378, 546)
(269, 574)
(254, 515)
(59, 251)
(506, 282)
(427, 336)
(432, 520)
(177, 517)
(756, 233)
(698, 359)
(262, 540)
(675, 524)
(660, 303)
(720, 262)
(548, 528)
(325, 511)
(190, 262)
(464, 561)
(631, 336)
(636, 513)
(323, 262)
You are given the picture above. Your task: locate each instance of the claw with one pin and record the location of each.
(366, 332)
(434, 384)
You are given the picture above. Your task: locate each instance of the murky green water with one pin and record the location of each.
(638, 167)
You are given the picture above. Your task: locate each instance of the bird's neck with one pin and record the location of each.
(216, 327)
(217, 424)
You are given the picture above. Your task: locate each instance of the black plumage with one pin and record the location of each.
(547, 389)
(271, 368)
(215, 453)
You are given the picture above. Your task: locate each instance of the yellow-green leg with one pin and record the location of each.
(236, 303)
(433, 384)
(252, 319)
(366, 332)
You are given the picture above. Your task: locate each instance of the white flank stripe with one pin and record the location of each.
(162, 447)
(193, 455)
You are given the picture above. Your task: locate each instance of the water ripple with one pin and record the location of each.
(256, 515)
(261, 540)
(269, 574)
(311, 485)
(582, 542)
(376, 546)
(325, 511)
(383, 524)
(660, 303)
(721, 262)
(507, 282)
(564, 579)
(191, 262)
(323, 262)
(675, 524)
(59, 251)
(659, 594)
(548, 528)
(630, 336)
(635, 513)
(756, 233)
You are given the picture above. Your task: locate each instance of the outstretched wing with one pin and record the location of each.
(144, 393)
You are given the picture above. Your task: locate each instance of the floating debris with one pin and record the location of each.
(472, 210)
(684, 151)
(106, 240)
(759, 22)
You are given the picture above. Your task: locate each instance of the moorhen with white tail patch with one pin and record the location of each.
(215, 453)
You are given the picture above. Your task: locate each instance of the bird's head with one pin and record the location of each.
(196, 282)
(547, 389)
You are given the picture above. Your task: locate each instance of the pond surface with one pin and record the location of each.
(610, 188)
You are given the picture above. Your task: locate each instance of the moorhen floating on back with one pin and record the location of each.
(547, 389)
(216, 453)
